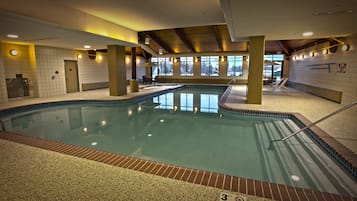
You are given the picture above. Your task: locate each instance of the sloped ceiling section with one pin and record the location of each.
(285, 20)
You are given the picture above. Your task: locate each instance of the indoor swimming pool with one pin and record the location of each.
(187, 128)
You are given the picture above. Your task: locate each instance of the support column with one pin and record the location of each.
(3, 88)
(245, 67)
(197, 67)
(134, 84)
(256, 64)
(117, 70)
(223, 66)
(176, 67)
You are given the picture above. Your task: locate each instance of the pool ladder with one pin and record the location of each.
(318, 121)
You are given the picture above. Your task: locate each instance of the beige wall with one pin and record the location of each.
(20, 64)
(301, 71)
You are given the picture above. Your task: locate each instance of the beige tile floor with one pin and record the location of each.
(29, 173)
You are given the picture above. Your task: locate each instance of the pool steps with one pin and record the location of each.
(321, 176)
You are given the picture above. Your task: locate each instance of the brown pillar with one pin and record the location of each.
(256, 64)
(116, 70)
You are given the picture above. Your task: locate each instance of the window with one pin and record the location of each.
(164, 67)
(186, 102)
(165, 101)
(235, 66)
(209, 103)
(186, 66)
(273, 65)
(209, 66)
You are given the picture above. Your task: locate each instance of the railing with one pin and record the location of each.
(232, 80)
(318, 121)
(2, 125)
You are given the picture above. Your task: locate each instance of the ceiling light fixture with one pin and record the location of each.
(160, 51)
(307, 33)
(86, 46)
(12, 36)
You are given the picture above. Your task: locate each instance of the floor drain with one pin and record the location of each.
(231, 197)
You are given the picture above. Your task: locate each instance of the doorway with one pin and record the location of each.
(71, 74)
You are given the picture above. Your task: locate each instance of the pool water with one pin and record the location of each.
(186, 128)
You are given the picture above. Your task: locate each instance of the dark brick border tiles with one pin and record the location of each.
(225, 182)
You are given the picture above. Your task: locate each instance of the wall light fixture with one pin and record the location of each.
(13, 52)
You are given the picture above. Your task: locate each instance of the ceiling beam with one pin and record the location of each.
(185, 39)
(313, 43)
(160, 42)
(285, 47)
(218, 38)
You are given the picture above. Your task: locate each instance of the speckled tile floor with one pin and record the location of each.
(29, 173)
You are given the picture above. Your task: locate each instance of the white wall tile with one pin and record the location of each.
(301, 70)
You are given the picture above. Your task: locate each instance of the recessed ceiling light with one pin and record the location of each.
(307, 33)
(86, 46)
(12, 36)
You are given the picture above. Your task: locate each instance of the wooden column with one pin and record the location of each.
(256, 64)
(134, 84)
(116, 70)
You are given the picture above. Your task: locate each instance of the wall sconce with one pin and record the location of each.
(324, 51)
(175, 59)
(294, 58)
(79, 56)
(222, 58)
(13, 52)
(160, 51)
(99, 57)
(196, 59)
(312, 54)
(345, 47)
(302, 56)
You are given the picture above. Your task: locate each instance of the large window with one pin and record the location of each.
(273, 65)
(164, 66)
(209, 66)
(235, 66)
(186, 66)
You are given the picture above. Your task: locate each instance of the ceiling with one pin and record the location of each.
(180, 27)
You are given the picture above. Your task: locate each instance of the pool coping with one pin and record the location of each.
(206, 178)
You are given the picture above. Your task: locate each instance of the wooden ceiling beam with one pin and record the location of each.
(218, 38)
(160, 42)
(181, 34)
(285, 47)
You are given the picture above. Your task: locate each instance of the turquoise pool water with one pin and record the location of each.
(186, 128)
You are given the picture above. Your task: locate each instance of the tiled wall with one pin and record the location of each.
(48, 61)
(3, 90)
(304, 70)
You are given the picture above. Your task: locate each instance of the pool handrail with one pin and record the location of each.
(318, 121)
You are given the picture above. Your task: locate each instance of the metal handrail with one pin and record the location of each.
(318, 121)
(231, 80)
(2, 125)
